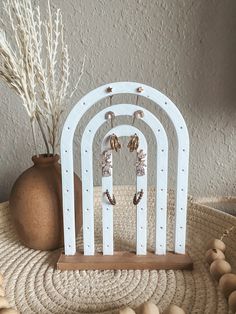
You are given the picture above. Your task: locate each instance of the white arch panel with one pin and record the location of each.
(67, 156)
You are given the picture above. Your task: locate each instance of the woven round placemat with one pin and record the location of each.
(33, 285)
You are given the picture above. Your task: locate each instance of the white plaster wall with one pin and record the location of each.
(184, 48)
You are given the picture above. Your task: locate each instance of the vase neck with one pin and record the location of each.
(44, 160)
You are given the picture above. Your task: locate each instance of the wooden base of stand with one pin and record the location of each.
(124, 260)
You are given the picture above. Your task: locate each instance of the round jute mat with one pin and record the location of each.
(33, 285)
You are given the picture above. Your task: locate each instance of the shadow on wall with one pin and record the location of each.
(210, 65)
(217, 62)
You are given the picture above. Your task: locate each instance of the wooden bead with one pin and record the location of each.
(217, 244)
(219, 267)
(213, 254)
(9, 311)
(4, 303)
(1, 278)
(232, 301)
(174, 309)
(127, 310)
(2, 292)
(227, 284)
(147, 308)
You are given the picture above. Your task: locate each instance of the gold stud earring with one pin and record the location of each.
(140, 89)
(109, 89)
(133, 143)
(114, 142)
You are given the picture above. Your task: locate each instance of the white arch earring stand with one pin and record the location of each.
(70, 259)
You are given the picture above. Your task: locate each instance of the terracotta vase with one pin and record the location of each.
(36, 204)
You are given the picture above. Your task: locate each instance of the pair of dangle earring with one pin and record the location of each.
(136, 199)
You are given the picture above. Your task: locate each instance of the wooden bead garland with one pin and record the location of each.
(3, 303)
(151, 308)
(147, 308)
(221, 269)
(126, 310)
(8, 311)
(173, 309)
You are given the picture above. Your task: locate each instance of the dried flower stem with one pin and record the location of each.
(38, 69)
(43, 133)
(34, 136)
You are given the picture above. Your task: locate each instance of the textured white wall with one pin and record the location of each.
(184, 48)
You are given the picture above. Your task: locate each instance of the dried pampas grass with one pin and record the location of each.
(35, 64)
